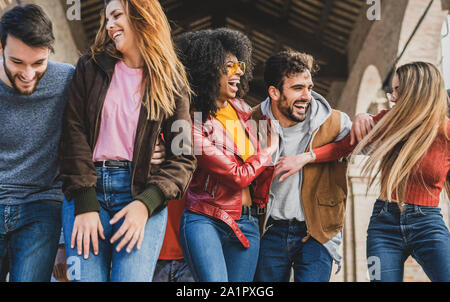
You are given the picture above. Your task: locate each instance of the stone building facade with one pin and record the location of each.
(373, 49)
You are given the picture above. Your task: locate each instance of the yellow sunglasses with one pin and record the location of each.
(234, 68)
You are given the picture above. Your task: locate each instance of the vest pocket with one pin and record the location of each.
(331, 208)
(329, 198)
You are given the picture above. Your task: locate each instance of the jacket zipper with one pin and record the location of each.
(206, 184)
(205, 188)
(232, 151)
(133, 171)
(213, 191)
(97, 123)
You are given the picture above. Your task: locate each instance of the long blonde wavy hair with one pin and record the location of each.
(164, 76)
(404, 134)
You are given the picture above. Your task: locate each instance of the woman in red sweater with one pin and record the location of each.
(411, 143)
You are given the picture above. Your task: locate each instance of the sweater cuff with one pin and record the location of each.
(320, 154)
(153, 198)
(85, 200)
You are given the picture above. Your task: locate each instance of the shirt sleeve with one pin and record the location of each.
(341, 147)
(380, 115)
(333, 151)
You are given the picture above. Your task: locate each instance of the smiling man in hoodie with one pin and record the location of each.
(305, 215)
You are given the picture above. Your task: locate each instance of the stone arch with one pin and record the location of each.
(370, 97)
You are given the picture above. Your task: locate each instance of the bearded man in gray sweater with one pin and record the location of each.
(33, 94)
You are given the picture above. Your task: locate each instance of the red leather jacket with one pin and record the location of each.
(221, 174)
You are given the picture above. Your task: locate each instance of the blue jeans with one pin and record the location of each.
(29, 235)
(394, 235)
(114, 193)
(214, 253)
(282, 250)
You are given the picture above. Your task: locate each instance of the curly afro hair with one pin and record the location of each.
(203, 54)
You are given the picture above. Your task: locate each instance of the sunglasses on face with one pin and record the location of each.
(232, 69)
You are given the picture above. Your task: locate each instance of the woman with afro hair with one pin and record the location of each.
(219, 232)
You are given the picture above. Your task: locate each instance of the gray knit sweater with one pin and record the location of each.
(30, 129)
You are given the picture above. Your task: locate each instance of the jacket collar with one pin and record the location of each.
(106, 62)
(212, 125)
(243, 114)
(240, 110)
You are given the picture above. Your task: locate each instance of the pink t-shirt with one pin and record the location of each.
(120, 115)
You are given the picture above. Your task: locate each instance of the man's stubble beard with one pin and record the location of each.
(11, 78)
(288, 112)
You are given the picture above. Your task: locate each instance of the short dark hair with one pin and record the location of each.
(284, 64)
(29, 24)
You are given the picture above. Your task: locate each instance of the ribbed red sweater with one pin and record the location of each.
(434, 167)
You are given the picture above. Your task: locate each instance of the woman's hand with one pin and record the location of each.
(159, 153)
(292, 164)
(60, 267)
(362, 125)
(85, 229)
(133, 227)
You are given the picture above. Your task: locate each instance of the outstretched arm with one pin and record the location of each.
(341, 148)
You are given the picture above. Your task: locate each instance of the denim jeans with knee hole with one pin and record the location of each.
(114, 193)
(394, 235)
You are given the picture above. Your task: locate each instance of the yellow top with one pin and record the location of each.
(228, 117)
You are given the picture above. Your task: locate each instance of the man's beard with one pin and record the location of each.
(288, 112)
(12, 77)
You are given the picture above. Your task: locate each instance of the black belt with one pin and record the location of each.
(255, 211)
(113, 164)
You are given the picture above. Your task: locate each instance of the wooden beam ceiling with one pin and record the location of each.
(319, 27)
